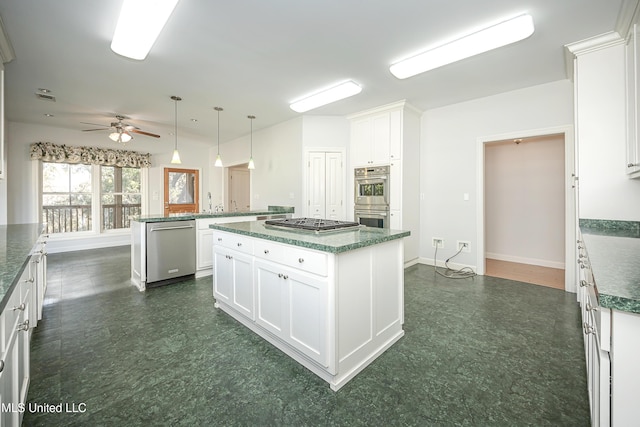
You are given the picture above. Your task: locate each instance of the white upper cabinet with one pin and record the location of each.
(370, 140)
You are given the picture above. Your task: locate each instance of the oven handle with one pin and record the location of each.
(380, 213)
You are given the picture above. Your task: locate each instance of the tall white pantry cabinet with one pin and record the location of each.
(390, 135)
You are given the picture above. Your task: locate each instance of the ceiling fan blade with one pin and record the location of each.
(144, 133)
(90, 130)
(94, 124)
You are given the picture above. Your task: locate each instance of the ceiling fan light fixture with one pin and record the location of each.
(120, 136)
(139, 25)
(327, 96)
(484, 40)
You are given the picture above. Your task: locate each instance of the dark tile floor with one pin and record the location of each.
(477, 352)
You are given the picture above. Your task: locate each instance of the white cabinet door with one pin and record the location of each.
(631, 72)
(361, 141)
(271, 298)
(292, 305)
(223, 276)
(233, 280)
(307, 307)
(381, 139)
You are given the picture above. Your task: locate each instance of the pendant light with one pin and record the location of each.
(251, 164)
(176, 156)
(218, 162)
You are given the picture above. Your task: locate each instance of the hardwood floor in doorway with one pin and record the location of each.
(538, 275)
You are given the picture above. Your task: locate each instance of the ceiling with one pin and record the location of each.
(256, 56)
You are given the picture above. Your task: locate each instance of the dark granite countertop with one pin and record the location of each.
(614, 254)
(271, 210)
(16, 243)
(335, 242)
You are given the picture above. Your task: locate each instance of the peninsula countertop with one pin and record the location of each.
(333, 242)
(16, 243)
(271, 210)
(614, 255)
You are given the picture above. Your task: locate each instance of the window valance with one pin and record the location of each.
(60, 153)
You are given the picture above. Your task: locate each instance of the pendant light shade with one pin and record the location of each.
(175, 159)
(218, 162)
(251, 164)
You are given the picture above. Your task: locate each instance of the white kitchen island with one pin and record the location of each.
(333, 302)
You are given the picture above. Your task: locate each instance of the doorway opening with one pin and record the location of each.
(239, 188)
(527, 209)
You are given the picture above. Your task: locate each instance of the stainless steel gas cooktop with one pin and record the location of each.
(315, 225)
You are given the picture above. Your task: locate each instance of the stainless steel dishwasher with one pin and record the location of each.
(171, 251)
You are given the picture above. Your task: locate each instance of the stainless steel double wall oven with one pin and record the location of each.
(372, 196)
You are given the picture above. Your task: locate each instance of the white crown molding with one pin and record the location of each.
(628, 11)
(398, 105)
(592, 44)
(6, 50)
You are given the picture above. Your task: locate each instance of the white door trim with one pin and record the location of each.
(570, 202)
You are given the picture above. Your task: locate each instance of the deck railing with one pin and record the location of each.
(71, 218)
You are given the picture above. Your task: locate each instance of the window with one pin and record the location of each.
(120, 196)
(66, 197)
(70, 201)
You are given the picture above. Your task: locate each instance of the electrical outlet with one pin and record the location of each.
(465, 245)
(437, 242)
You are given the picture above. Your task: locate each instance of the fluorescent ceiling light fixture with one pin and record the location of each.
(139, 25)
(336, 93)
(493, 37)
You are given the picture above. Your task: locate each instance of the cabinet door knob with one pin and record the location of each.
(631, 165)
(280, 275)
(300, 260)
(24, 326)
(239, 244)
(285, 277)
(20, 307)
(266, 251)
(219, 239)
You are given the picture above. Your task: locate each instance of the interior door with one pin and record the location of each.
(325, 185)
(239, 193)
(317, 182)
(181, 190)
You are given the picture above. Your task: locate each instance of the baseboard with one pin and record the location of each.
(452, 265)
(58, 244)
(522, 260)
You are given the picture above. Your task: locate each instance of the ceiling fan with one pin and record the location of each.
(121, 131)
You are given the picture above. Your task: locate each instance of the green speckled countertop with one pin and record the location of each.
(271, 210)
(614, 253)
(334, 242)
(16, 243)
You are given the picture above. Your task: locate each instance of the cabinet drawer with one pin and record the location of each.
(304, 259)
(271, 251)
(233, 241)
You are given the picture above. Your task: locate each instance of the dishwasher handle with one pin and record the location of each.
(172, 228)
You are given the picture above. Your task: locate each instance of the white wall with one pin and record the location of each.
(326, 132)
(449, 156)
(605, 190)
(524, 201)
(277, 153)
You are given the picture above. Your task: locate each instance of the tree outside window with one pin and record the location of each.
(120, 196)
(66, 197)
